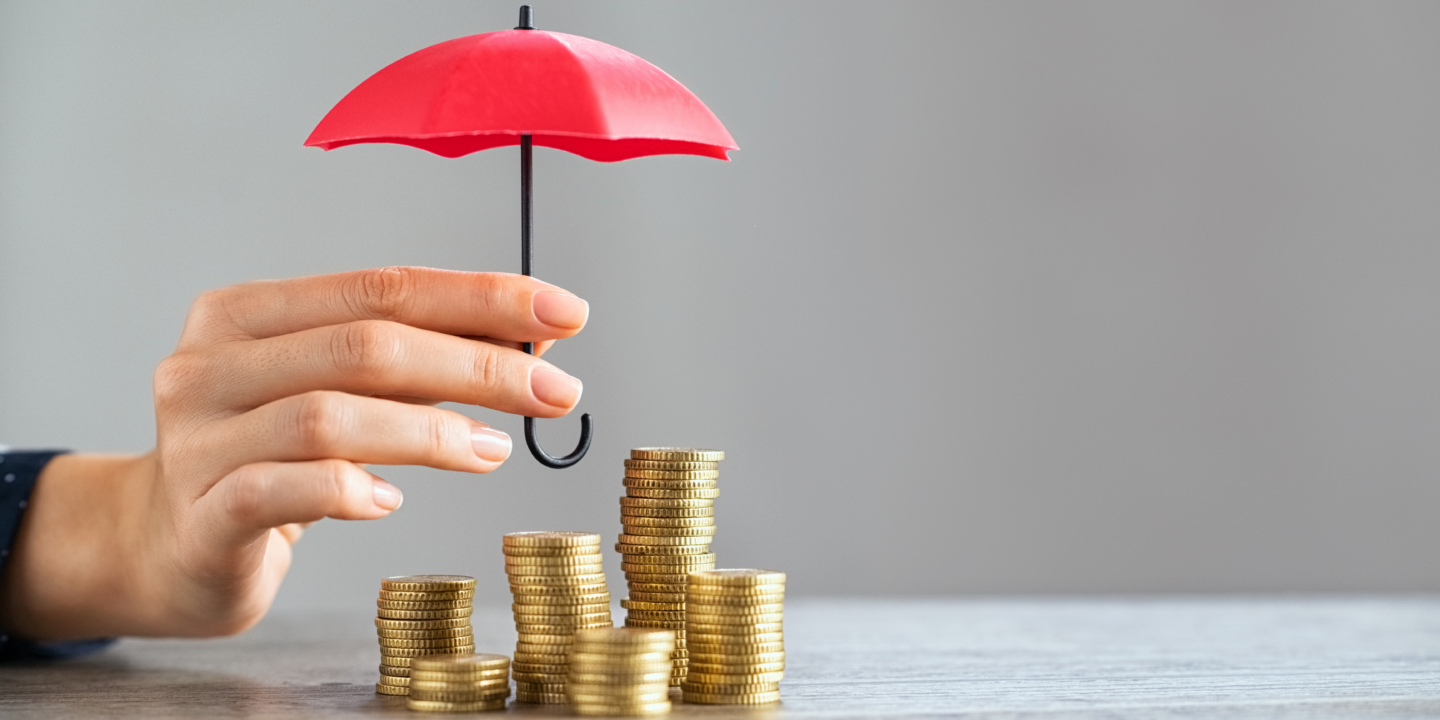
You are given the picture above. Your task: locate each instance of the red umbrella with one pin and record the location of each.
(527, 87)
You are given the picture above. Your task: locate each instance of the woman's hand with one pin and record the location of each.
(277, 396)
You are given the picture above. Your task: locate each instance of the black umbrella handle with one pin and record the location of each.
(526, 214)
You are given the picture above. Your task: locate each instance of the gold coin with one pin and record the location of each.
(741, 649)
(548, 610)
(641, 474)
(631, 463)
(437, 706)
(394, 662)
(602, 598)
(735, 657)
(547, 668)
(701, 548)
(714, 640)
(527, 650)
(658, 624)
(762, 698)
(695, 626)
(696, 605)
(540, 687)
(706, 678)
(460, 696)
(605, 678)
(722, 594)
(656, 597)
(677, 454)
(586, 559)
(735, 668)
(608, 709)
(664, 504)
(647, 587)
(394, 652)
(394, 671)
(475, 662)
(634, 521)
(553, 570)
(428, 583)
(708, 618)
(394, 681)
(662, 557)
(648, 578)
(556, 617)
(551, 538)
(646, 530)
(431, 624)
(558, 591)
(384, 689)
(539, 678)
(427, 642)
(663, 540)
(544, 698)
(652, 605)
(484, 676)
(408, 605)
(672, 494)
(665, 513)
(545, 640)
(542, 551)
(426, 634)
(530, 658)
(640, 659)
(538, 629)
(733, 689)
(583, 698)
(624, 639)
(558, 581)
(426, 596)
(742, 578)
(462, 684)
(463, 612)
(669, 484)
(676, 615)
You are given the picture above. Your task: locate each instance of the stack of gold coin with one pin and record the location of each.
(421, 615)
(737, 645)
(620, 671)
(559, 587)
(459, 683)
(668, 520)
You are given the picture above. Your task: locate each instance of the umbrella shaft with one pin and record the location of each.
(527, 213)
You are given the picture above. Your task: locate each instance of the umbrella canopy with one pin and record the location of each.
(567, 92)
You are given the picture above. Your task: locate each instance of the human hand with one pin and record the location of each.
(276, 397)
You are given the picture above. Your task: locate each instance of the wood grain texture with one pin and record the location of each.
(1104, 658)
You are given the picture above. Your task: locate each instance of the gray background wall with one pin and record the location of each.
(997, 297)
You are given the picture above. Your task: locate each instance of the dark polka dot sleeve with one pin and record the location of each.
(18, 473)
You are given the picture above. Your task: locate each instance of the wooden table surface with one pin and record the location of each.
(1087, 658)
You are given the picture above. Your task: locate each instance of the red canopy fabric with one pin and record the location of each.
(568, 92)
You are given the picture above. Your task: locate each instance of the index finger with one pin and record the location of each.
(502, 306)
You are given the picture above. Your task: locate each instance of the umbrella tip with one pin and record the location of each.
(527, 18)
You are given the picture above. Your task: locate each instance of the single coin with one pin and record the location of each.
(641, 474)
(737, 595)
(607, 709)
(544, 698)
(520, 667)
(467, 663)
(679, 632)
(480, 677)
(541, 658)
(394, 652)
(701, 548)
(667, 588)
(543, 551)
(642, 659)
(460, 696)
(431, 624)
(734, 657)
(665, 561)
(648, 531)
(560, 609)
(705, 678)
(670, 465)
(535, 603)
(538, 629)
(539, 678)
(707, 618)
(408, 605)
(558, 591)
(656, 597)
(676, 615)
(459, 683)
(426, 596)
(738, 668)
(525, 652)
(656, 624)
(558, 581)
(746, 629)
(738, 640)
(763, 698)
(425, 634)
(463, 612)
(429, 583)
(669, 483)
(540, 687)
(634, 521)
(427, 642)
(677, 454)
(626, 639)
(394, 670)
(437, 706)
(671, 606)
(546, 640)
(551, 538)
(700, 541)
(554, 570)
(739, 577)
(666, 504)
(583, 698)
(672, 494)
(666, 513)
(733, 689)
(605, 678)
(699, 606)
(557, 618)
(648, 578)
(394, 681)
(586, 559)
(708, 647)
(384, 689)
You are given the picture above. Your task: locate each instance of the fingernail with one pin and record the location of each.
(559, 309)
(555, 388)
(387, 496)
(490, 444)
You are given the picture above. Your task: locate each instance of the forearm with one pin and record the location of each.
(71, 572)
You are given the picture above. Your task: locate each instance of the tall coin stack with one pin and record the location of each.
(668, 516)
(737, 645)
(459, 683)
(559, 587)
(421, 615)
(620, 671)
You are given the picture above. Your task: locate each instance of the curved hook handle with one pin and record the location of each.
(547, 459)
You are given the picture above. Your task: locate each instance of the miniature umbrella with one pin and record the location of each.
(527, 87)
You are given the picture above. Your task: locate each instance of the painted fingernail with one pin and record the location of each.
(387, 496)
(559, 309)
(490, 444)
(555, 388)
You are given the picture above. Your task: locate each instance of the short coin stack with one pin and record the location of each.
(559, 587)
(421, 615)
(459, 683)
(668, 516)
(737, 645)
(620, 671)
